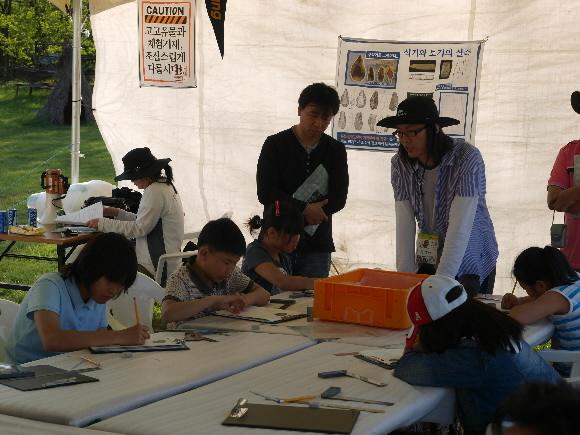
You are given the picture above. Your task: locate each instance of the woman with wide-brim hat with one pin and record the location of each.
(158, 225)
(439, 186)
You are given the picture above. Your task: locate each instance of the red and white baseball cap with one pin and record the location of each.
(437, 296)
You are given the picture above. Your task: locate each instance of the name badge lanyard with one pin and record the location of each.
(427, 243)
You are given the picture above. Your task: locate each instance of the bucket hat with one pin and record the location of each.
(140, 163)
(417, 110)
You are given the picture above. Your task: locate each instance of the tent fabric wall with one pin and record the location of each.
(273, 49)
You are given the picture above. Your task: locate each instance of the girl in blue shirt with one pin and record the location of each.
(66, 311)
(553, 289)
(267, 261)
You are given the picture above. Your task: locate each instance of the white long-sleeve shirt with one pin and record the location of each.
(157, 227)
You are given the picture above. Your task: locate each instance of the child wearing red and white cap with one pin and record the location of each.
(461, 343)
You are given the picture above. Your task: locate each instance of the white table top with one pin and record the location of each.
(535, 334)
(20, 426)
(127, 383)
(315, 330)
(201, 411)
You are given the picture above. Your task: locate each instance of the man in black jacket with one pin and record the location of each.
(308, 167)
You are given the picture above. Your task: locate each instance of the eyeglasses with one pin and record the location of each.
(408, 133)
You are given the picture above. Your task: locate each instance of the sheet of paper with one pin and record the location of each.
(82, 216)
(165, 337)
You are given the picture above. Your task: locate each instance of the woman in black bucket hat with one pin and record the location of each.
(439, 186)
(158, 224)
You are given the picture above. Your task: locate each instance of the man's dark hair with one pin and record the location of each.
(222, 235)
(108, 255)
(490, 328)
(322, 95)
(544, 409)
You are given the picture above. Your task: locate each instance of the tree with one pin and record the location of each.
(34, 31)
(58, 107)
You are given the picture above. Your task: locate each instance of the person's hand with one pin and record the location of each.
(134, 335)
(314, 214)
(93, 223)
(508, 301)
(111, 212)
(232, 303)
(568, 200)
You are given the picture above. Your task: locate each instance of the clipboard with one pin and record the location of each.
(46, 377)
(323, 420)
(267, 315)
(154, 348)
(159, 342)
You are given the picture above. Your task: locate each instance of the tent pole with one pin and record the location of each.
(76, 92)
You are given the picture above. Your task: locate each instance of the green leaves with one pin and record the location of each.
(33, 29)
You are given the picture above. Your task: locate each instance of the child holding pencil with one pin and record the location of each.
(553, 289)
(66, 311)
(210, 280)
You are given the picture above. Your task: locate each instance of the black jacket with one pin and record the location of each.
(283, 166)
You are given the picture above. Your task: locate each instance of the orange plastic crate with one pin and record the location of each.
(366, 297)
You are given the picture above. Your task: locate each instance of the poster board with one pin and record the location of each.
(373, 77)
(167, 43)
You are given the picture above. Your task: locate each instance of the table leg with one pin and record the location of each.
(12, 286)
(7, 250)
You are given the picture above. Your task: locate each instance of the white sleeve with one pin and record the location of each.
(405, 238)
(461, 217)
(126, 216)
(148, 215)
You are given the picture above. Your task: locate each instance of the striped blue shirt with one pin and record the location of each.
(461, 174)
(568, 325)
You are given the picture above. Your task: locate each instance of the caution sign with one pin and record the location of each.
(167, 43)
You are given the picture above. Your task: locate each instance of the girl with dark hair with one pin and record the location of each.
(439, 186)
(461, 343)
(553, 289)
(267, 261)
(158, 224)
(66, 311)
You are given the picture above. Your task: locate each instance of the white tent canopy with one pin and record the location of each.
(274, 49)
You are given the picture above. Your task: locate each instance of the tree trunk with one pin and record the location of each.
(6, 9)
(58, 108)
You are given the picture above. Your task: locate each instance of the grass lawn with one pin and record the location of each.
(28, 147)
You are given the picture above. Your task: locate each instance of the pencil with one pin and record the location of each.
(87, 359)
(299, 399)
(137, 317)
(514, 289)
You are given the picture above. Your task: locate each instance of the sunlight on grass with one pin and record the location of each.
(29, 147)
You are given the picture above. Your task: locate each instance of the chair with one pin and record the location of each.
(186, 254)
(164, 258)
(8, 312)
(564, 356)
(122, 310)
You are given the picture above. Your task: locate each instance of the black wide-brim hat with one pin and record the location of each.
(141, 163)
(575, 101)
(417, 110)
